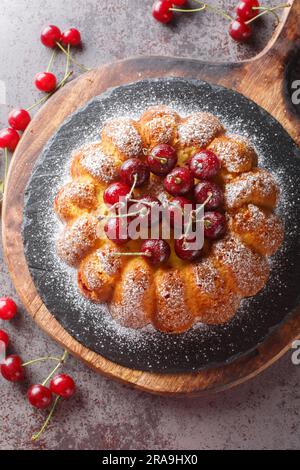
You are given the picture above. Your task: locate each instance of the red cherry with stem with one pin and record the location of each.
(177, 207)
(245, 11)
(162, 159)
(156, 251)
(50, 35)
(179, 182)
(145, 205)
(9, 138)
(161, 11)
(114, 192)
(204, 164)
(134, 168)
(116, 230)
(214, 225)
(207, 189)
(4, 337)
(8, 308)
(240, 31)
(63, 385)
(12, 369)
(184, 251)
(19, 119)
(72, 36)
(45, 81)
(39, 396)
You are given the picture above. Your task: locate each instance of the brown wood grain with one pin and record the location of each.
(260, 79)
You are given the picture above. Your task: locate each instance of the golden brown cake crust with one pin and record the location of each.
(173, 297)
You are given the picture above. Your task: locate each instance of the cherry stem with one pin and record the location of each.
(161, 159)
(71, 58)
(268, 10)
(132, 187)
(194, 213)
(68, 61)
(204, 6)
(40, 359)
(61, 361)
(45, 98)
(35, 437)
(51, 61)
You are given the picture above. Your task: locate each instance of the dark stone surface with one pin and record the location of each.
(198, 348)
(263, 413)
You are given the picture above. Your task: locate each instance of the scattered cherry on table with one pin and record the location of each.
(19, 119)
(4, 338)
(9, 138)
(11, 369)
(50, 35)
(246, 11)
(45, 81)
(161, 11)
(71, 37)
(63, 385)
(39, 396)
(8, 308)
(239, 30)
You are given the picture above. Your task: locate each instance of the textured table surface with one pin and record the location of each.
(262, 414)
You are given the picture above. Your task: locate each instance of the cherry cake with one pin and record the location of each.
(165, 159)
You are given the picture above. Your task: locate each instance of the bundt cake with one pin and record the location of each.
(168, 162)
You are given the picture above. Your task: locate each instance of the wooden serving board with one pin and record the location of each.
(261, 79)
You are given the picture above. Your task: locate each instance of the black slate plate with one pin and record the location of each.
(91, 324)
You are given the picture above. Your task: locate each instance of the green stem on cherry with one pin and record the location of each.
(51, 61)
(41, 359)
(124, 253)
(61, 361)
(71, 58)
(204, 6)
(268, 10)
(36, 436)
(45, 98)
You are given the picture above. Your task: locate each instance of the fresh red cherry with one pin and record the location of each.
(146, 205)
(134, 168)
(204, 164)
(63, 385)
(19, 119)
(162, 159)
(39, 396)
(50, 35)
(9, 138)
(176, 209)
(8, 308)
(245, 11)
(179, 182)
(114, 192)
(45, 81)
(214, 225)
(71, 36)
(156, 251)
(184, 251)
(240, 31)
(161, 11)
(12, 369)
(116, 230)
(4, 337)
(208, 189)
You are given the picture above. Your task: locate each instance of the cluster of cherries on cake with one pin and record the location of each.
(179, 182)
